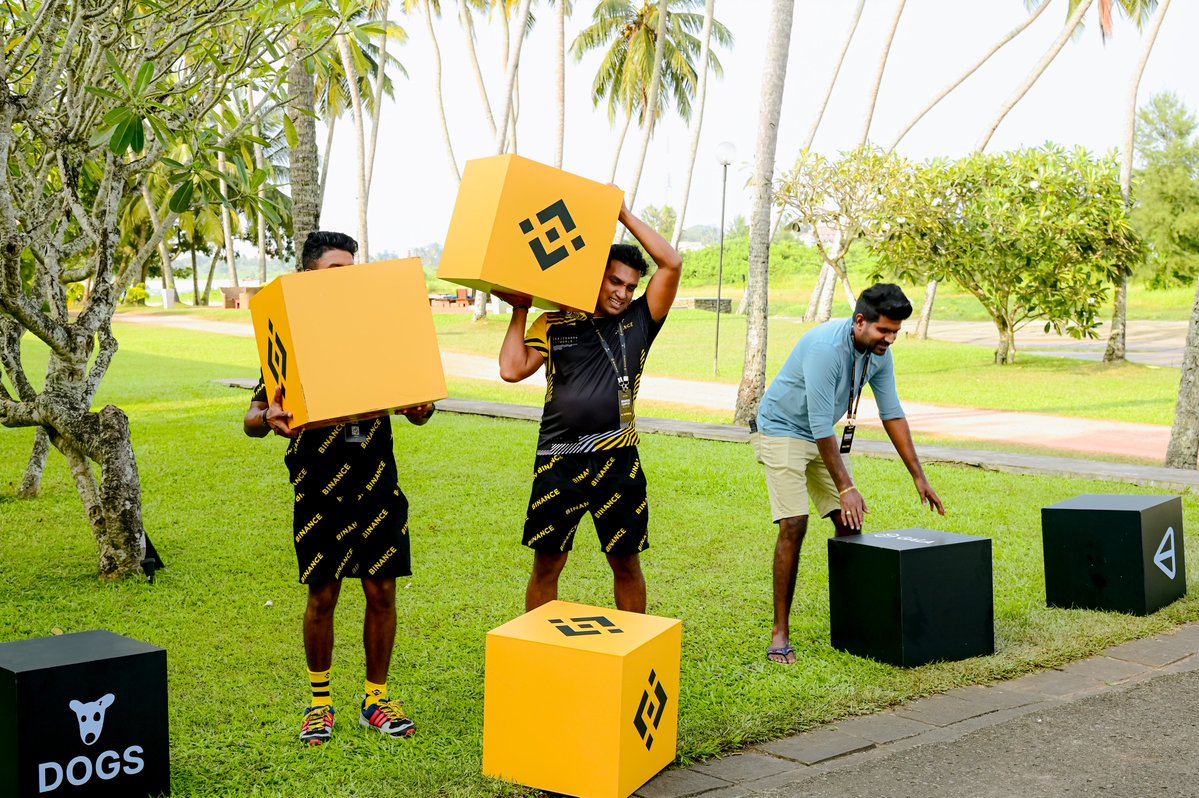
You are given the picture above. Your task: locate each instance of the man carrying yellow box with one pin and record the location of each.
(587, 457)
(350, 520)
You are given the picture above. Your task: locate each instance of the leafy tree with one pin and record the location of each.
(95, 96)
(661, 219)
(1034, 234)
(1167, 186)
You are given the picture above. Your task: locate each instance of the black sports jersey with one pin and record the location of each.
(582, 411)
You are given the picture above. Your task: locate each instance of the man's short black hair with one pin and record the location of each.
(630, 256)
(883, 299)
(321, 241)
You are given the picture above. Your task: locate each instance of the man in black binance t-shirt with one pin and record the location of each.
(587, 449)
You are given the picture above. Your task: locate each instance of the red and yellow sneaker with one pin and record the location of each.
(318, 725)
(387, 716)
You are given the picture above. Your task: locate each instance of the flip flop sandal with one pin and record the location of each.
(780, 651)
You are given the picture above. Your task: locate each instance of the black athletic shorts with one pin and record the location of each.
(610, 484)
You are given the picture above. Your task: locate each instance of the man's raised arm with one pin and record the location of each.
(665, 283)
(517, 359)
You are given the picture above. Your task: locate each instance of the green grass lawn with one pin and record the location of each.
(227, 609)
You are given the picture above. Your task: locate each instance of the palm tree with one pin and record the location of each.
(430, 8)
(753, 376)
(627, 31)
(697, 122)
(878, 78)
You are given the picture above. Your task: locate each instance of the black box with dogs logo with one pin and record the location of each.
(85, 714)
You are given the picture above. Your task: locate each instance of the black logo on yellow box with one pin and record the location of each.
(276, 354)
(557, 223)
(574, 627)
(649, 711)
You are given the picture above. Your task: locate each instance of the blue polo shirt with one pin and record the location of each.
(811, 392)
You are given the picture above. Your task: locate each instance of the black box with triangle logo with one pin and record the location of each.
(85, 714)
(1114, 552)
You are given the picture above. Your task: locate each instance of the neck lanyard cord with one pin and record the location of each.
(621, 379)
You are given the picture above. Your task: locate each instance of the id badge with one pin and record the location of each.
(625, 397)
(847, 439)
(355, 433)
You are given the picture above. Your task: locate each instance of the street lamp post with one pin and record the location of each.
(724, 154)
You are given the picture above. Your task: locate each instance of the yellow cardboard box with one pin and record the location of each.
(523, 226)
(348, 343)
(581, 700)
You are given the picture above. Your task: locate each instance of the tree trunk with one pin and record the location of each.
(1013, 33)
(1068, 31)
(332, 124)
(164, 254)
(817, 292)
(445, 127)
(31, 483)
(304, 158)
(122, 537)
(347, 63)
(620, 145)
(1005, 354)
(195, 278)
(226, 221)
(828, 294)
(216, 255)
(560, 33)
(828, 93)
(1116, 341)
(926, 311)
(650, 112)
(260, 163)
(468, 24)
(698, 122)
(1183, 451)
(878, 78)
(380, 77)
(753, 375)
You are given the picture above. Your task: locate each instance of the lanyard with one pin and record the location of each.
(622, 380)
(855, 390)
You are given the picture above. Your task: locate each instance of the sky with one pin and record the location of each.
(1081, 99)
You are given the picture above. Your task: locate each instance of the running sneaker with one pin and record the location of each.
(318, 725)
(387, 716)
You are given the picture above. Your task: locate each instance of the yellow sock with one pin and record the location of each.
(319, 680)
(374, 692)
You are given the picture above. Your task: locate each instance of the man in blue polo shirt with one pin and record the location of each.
(795, 439)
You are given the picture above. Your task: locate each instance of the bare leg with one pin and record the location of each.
(628, 582)
(543, 582)
(379, 627)
(786, 570)
(318, 624)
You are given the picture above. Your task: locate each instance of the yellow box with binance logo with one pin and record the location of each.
(519, 225)
(348, 343)
(581, 700)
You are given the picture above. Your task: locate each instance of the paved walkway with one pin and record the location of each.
(1154, 343)
(1119, 724)
(1085, 436)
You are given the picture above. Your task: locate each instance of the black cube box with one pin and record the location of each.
(1113, 552)
(911, 596)
(84, 714)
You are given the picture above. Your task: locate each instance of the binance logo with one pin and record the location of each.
(591, 625)
(555, 224)
(649, 711)
(276, 354)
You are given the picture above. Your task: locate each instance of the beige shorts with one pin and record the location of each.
(794, 472)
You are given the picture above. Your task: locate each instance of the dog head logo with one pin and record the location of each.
(555, 222)
(91, 717)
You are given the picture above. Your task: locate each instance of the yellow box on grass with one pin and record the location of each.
(348, 343)
(581, 700)
(523, 226)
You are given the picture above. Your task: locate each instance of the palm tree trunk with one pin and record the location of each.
(620, 145)
(649, 113)
(828, 93)
(380, 76)
(1116, 341)
(753, 375)
(1013, 33)
(260, 163)
(304, 158)
(878, 78)
(697, 123)
(1183, 450)
(468, 25)
(560, 32)
(445, 127)
(164, 256)
(327, 159)
(226, 221)
(347, 63)
(1055, 48)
